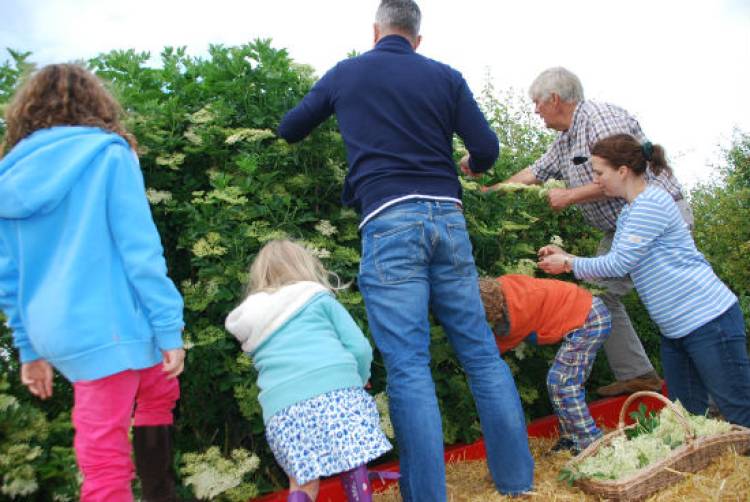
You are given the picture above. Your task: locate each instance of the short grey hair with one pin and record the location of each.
(401, 15)
(559, 81)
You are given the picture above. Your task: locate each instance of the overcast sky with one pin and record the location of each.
(681, 66)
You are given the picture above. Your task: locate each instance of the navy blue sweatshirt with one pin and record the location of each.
(397, 112)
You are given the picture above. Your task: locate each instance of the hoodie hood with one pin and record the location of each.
(42, 168)
(262, 314)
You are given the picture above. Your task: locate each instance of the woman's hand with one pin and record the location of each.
(550, 249)
(555, 264)
(37, 376)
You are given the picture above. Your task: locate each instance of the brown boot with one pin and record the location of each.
(153, 462)
(649, 381)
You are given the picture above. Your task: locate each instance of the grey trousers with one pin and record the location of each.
(625, 353)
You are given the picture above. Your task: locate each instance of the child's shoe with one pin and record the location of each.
(356, 484)
(298, 496)
(565, 444)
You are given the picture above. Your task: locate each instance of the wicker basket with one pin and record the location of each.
(692, 456)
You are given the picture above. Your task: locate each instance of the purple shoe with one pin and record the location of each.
(298, 496)
(356, 484)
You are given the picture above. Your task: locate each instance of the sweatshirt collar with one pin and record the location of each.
(262, 314)
(394, 43)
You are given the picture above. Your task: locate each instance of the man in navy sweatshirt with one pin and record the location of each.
(397, 112)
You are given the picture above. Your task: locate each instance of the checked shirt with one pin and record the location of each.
(592, 122)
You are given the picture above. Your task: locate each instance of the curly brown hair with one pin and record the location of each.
(61, 94)
(492, 298)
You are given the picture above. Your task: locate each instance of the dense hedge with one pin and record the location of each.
(722, 210)
(221, 184)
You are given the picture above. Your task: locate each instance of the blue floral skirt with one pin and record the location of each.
(327, 434)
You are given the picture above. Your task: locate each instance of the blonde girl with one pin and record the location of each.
(313, 362)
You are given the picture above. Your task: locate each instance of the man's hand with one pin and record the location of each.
(559, 198)
(466, 169)
(174, 362)
(37, 376)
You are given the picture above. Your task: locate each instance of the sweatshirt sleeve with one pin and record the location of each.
(139, 245)
(351, 337)
(646, 222)
(9, 305)
(471, 125)
(315, 107)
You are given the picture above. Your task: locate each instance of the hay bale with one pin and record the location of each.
(726, 479)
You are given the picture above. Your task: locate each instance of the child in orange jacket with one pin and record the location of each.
(547, 311)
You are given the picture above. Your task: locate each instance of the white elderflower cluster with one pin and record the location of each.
(325, 228)
(173, 161)
(158, 196)
(523, 266)
(231, 195)
(209, 246)
(556, 240)
(16, 462)
(520, 350)
(193, 136)
(249, 135)
(202, 116)
(210, 474)
(321, 253)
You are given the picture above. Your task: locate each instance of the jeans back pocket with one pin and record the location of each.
(399, 252)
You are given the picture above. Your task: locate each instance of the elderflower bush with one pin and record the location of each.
(228, 198)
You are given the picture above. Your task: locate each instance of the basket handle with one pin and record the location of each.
(689, 431)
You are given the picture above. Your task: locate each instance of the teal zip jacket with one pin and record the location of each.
(303, 343)
(83, 280)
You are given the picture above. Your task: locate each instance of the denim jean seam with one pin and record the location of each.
(452, 229)
(733, 365)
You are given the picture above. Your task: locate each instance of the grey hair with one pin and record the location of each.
(402, 15)
(559, 81)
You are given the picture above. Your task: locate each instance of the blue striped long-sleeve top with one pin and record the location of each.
(673, 279)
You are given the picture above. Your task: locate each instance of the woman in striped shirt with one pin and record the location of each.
(703, 343)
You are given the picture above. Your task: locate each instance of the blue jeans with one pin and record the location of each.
(416, 256)
(712, 360)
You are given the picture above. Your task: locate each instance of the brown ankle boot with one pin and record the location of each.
(649, 381)
(153, 462)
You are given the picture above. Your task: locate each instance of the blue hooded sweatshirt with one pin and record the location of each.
(83, 280)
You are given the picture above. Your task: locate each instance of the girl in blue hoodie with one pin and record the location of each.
(83, 280)
(313, 362)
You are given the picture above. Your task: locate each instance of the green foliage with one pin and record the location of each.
(36, 457)
(11, 72)
(722, 212)
(645, 422)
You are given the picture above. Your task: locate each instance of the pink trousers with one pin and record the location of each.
(102, 416)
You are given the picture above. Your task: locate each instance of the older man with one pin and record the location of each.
(558, 97)
(397, 112)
